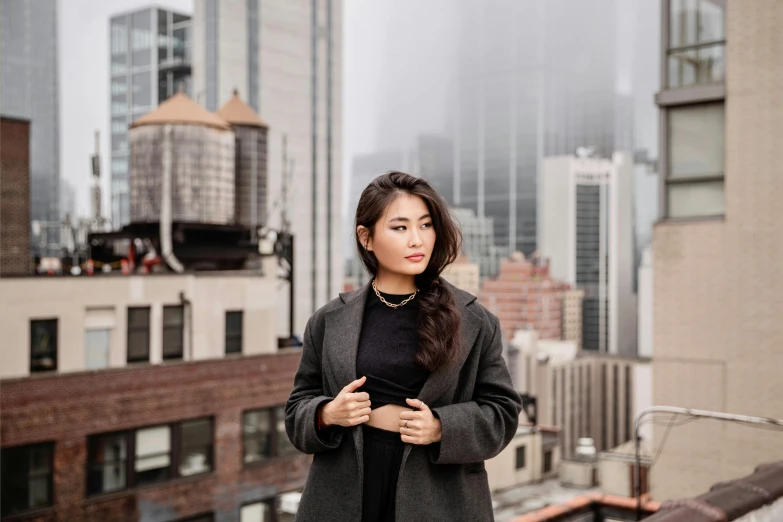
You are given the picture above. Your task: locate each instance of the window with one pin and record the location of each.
(26, 478)
(117, 461)
(256, 435)
(696, 149)
(281, 508)
(697, 43)
(138, 334)
(43, 345)
(153, 454)
(195, 447)
(264, 435)
(107, 457)
(547, 461)
(96, 347)
(234, 332)
(521, 457)
(173, 323)
(255, 512)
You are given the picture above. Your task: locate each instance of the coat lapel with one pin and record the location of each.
(341, 338)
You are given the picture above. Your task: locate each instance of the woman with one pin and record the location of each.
(407, 439)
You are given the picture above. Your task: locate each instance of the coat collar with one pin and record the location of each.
(344, 326)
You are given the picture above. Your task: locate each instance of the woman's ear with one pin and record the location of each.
(364, 237)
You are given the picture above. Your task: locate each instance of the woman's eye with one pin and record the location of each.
(426, 225)
(401, 227)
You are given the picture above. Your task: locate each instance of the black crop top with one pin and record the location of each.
(388, 345)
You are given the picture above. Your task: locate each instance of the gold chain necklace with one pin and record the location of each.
(387, 303)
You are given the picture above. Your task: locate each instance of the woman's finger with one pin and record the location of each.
(358, 420)
(410, 415)
(359, 397)
(410, 424)
(409, 439)
(363, 404)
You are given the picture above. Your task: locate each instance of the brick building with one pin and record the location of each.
(524, 296)
(156, 398)
(14, 197)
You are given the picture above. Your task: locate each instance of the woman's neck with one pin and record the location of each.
(390, 283)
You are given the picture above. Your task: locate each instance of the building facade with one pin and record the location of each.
(463, 274)
(478, 241)
(586, 231)
(532, 456)
(29, 86)
(15, 197)
(529, 87)
(524, 296)
(716, 252)
(285, 60)
(584, 394)
(155, 397)
(149, 60)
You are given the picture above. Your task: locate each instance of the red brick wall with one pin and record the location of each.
(68, 408)
(524, 295)
(14, 197)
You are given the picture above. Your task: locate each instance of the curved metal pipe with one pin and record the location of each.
(167, 251)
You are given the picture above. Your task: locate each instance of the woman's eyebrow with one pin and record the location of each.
(406, 220)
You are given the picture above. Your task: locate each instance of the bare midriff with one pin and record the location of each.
(387, 417)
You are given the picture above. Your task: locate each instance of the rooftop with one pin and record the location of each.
(237, 112)
(725, 502)
(179, 109)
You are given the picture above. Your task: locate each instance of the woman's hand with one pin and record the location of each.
(348, 408)
(419, 427)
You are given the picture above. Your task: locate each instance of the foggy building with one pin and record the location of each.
(434, 161)
(586, 232)
(29, 91)
(149, 61)
(534, 79)
(285, 60)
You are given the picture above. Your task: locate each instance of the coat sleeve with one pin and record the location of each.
(301, 409)
(478, 430)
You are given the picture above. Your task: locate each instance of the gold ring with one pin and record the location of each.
(406, 424)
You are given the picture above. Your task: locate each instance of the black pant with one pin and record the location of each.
(382, 458)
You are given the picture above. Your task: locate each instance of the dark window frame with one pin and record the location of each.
(234, 340)
(37, 354)
(274, 415)
(521, 451)
(137, 329)
(179, 328)
(547, 463)
(175, 453)
(7, 484)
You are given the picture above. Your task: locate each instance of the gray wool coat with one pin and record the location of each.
(474, 399)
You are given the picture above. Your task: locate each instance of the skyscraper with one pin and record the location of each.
(585, 230)
(149, 61)
(285, 59)
(29, 90)
(535, 79)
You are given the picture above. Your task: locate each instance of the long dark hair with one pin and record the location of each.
(439, 319)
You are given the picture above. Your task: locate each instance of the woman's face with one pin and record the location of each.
(403, 238)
